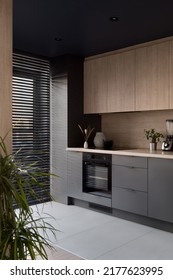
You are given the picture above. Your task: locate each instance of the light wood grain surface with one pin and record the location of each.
(6, 70)
(60, 254)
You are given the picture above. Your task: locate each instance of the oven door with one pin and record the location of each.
(96, 178)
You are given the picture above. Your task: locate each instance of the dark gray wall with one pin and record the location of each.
(73, 67)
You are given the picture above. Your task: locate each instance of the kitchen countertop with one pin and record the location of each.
(127, 152)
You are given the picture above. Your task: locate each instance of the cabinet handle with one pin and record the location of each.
(131, 190)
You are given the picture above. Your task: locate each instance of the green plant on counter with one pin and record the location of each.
(153, 135)
(22, 236)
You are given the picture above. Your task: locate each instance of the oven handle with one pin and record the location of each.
(93, 163)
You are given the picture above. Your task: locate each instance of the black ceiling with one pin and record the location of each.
(83, 27)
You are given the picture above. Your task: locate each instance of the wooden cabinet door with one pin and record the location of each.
(152, 77)
(121, 82)
(95, 85)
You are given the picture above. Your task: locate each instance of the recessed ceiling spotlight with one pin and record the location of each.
(58, 39)
(114, 19)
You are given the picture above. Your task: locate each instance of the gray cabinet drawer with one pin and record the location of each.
(131, 201)
(130, 161)
(129, 177)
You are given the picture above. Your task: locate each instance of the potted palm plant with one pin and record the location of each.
(21, 235)
(154, 137)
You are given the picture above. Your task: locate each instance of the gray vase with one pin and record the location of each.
(153, 146)
(99, 140)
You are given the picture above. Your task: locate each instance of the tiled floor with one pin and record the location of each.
(93, 235)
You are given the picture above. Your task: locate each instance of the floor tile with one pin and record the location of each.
(92, 243)
(58, 210)
(93, 235)
(154, 245)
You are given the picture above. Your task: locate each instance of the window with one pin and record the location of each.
(31, 122)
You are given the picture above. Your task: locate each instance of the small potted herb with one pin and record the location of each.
(154, 137)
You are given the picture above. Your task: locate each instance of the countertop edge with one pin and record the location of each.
(128, 152)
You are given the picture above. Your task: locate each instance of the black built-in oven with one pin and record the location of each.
(97, 174)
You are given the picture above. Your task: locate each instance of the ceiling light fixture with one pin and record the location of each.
(114, 19)
(58, 39)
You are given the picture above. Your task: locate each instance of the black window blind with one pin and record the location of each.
(31, 118)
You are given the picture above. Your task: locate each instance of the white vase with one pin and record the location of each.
(99, 140)
(85, 145)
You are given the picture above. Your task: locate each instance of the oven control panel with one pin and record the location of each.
(104, 158)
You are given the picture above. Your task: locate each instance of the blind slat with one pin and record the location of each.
(31, 124)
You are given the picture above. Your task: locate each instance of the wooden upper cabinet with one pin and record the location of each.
(95, 85)
(121, 82)
(134, 79)
(153, 77)
(109, 83)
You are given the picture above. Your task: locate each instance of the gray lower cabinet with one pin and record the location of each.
(160, 189)
(74, 174)
(140, 185)
(129, 184)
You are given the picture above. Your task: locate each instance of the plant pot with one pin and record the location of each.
(153, 147)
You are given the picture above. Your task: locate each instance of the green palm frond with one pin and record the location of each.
(21, 235)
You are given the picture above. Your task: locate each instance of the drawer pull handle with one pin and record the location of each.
(131, 190)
